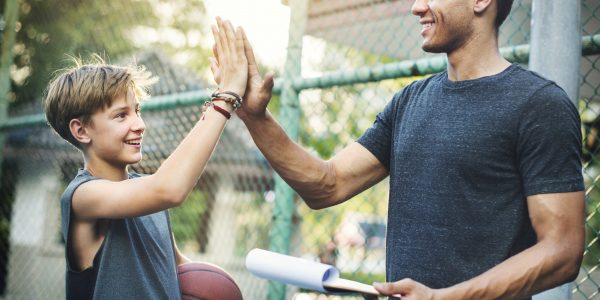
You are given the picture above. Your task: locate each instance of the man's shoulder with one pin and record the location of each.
(530, 80)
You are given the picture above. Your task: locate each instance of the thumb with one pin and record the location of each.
(213, 64)
(214, 67)
(401, 287)
(268, 83)
(384, 288)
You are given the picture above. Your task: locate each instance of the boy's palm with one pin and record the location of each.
(258, 90)
(229, 67)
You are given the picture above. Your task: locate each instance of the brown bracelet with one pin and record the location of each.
(222, 111)
(219, 109)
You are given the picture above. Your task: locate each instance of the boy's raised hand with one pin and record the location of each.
(258, 90)
(231, 63)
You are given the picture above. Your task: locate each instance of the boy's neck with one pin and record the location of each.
(105, 170)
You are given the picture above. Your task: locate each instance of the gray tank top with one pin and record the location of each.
(136, 259)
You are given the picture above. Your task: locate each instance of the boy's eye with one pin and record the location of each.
(121, 115)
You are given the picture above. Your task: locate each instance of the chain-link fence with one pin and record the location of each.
(345, 58)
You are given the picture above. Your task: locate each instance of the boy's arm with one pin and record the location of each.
(175, 178)
(558, 220)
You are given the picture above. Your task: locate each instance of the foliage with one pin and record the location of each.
(367, 278)
(592, 251)
(252, 225)
(186, 219)
(320, 226)
(50, 31)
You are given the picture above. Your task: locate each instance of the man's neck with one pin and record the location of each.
(479, 57)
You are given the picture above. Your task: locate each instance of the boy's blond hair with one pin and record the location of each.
(80, 91)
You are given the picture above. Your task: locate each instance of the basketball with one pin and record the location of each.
(201, 280)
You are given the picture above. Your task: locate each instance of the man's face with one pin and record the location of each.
(446, 24)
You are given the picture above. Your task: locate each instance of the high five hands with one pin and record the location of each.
(232, 71)
(257, 91)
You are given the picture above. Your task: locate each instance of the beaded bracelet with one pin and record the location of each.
(229, 97)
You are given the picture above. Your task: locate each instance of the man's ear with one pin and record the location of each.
(481, 5)
(79, 131)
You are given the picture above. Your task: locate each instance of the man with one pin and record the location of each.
(486, 196)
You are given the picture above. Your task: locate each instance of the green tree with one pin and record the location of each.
(51, 30)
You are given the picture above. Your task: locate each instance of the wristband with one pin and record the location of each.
(222, 111)
(229, 97)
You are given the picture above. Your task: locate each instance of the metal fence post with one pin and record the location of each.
(556, 37)
(11, 14)
(290, 117)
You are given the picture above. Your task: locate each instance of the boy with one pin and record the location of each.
(115, 224)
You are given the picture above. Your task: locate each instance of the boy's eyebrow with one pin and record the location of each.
(118, 108)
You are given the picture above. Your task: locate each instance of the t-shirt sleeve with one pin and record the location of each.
(549, 143)
(378, 138)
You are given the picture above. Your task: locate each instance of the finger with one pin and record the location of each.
(239, 44)
(215, 52)
(218, 47)
(229, 37)
(224, 44)
(389, 289)
(214, 67)
(249, 51)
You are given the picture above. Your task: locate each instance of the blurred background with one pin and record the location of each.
(337, 64)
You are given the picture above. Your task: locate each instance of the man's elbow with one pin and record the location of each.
(573, 266)
(316, 204)
(571, 263)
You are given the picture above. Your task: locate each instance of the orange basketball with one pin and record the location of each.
(201, 280)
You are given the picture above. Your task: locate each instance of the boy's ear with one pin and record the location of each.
(481, 5)
(79, 131)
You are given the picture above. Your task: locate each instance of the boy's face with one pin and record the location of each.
(116, 132)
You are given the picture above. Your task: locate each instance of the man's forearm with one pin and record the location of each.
(309, 175)
(536, 269)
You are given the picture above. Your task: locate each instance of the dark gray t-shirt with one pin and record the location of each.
(462, 158)
(136, 259)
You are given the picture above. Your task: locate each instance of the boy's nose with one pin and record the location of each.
(138, 125)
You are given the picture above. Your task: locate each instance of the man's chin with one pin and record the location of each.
(432, 49)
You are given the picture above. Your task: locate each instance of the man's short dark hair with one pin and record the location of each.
(503, 7)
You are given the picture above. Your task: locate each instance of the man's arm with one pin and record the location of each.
(320, 183)
(558, 220)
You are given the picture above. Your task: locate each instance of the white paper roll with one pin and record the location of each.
(290, 270)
